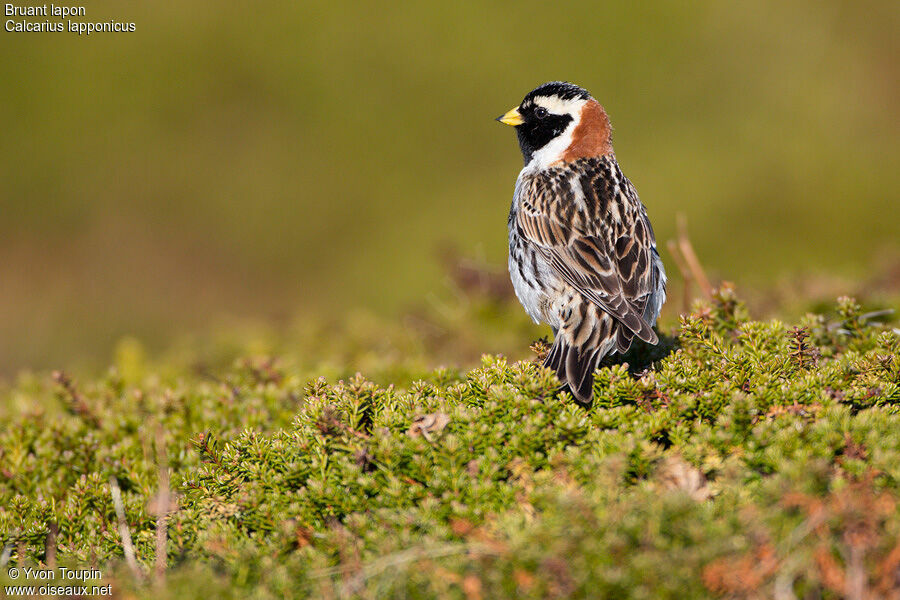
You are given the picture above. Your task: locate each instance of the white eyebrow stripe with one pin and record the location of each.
(558, 106)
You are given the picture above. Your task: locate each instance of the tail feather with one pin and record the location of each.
(556, 358)
(574, 367)
(623, 339)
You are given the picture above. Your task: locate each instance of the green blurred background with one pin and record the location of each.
(292, 158)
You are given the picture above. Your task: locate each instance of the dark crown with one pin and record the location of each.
(561, 89)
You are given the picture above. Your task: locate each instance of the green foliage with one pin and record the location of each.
(261, 160)
(738, 457)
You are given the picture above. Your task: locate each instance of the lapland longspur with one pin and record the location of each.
(582, 255)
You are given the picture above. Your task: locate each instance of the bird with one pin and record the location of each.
(582, 253)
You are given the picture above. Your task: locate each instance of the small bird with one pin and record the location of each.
(582, 255)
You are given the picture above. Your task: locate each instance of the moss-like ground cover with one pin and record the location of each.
(741, 459)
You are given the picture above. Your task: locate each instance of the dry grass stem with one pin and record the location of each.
(124, 533)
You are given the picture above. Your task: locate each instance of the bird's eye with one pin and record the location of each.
(540, 112)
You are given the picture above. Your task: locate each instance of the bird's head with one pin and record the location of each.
(559, 121)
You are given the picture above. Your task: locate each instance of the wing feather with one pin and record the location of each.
(613, 273)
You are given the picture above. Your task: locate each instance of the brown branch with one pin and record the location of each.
(50, 545)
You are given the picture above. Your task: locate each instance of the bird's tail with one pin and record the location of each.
(574, 366)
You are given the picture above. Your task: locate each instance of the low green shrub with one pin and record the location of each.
(738, 459)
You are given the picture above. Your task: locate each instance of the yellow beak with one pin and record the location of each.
(513, 117)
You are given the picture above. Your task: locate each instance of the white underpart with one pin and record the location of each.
(552, 151)
(658, 296)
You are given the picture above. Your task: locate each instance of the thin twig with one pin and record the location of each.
(8, 548)
(876, 314)
(690, 257)
(50, 545)
(124, 533)
(855, 575)
(685, 275)
(162, 517)
(76, 402)
(397, 559)
(783, 589)
(786, 574)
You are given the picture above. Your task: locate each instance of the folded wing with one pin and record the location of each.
(613, 272)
